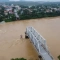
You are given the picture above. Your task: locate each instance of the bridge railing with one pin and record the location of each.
(35, 42)
(38, 36)
(38, 40)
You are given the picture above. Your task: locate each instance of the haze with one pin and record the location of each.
(33, 0)
(43, 0)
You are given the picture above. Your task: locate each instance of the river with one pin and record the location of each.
(11, 46)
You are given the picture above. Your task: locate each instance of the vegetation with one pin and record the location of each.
(9, 18)
(18, 59)
(59, 57)
(1, 13)
(48, 9)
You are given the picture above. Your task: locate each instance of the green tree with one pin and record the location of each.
(2, 13)
(18, 59)
(32, 7)
(59, 57)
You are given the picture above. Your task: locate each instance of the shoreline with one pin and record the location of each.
(34, 19)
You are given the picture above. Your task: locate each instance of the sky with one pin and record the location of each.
(37, 0)
(32, 0)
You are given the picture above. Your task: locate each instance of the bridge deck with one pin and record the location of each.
(39, 42)
(45, 54)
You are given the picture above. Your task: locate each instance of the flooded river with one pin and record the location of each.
(11, 46)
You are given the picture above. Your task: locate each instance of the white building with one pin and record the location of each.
(18, 7)
(12, 5)
(16, 14)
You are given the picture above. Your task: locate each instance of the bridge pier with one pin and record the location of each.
(40, 58)
(26, 36)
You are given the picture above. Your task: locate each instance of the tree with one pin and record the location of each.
(59, 57)
(18, 59)
(1, 13)
(32, 7)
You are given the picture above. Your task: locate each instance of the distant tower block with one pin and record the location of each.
(40, 57)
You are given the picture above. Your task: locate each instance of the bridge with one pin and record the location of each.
(39, 43)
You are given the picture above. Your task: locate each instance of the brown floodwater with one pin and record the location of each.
(11, 46)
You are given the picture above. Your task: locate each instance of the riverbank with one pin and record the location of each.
(30, 19)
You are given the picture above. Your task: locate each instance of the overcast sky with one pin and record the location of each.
(36, 0)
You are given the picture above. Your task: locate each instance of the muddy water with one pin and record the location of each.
(11, 46)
